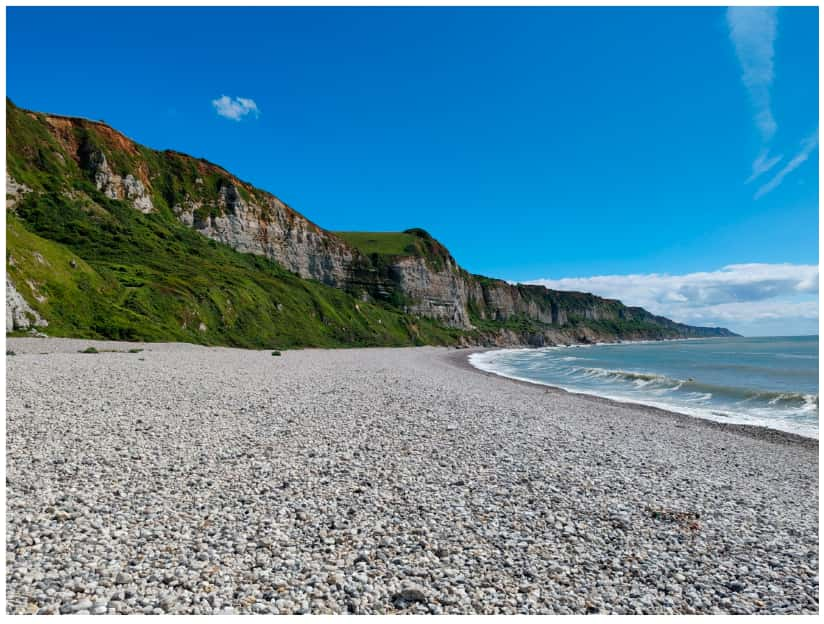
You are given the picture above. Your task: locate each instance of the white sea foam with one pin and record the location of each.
(795, 412)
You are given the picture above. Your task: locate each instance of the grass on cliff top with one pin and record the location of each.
(413, 242)
(382, 243)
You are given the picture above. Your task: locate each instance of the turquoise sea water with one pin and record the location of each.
(771, 382)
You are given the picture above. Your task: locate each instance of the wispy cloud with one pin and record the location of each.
(753, 31)
(763, 164)
(807, 146)
(235, 108)
(736, 294)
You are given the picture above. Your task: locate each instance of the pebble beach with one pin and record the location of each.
(174, 478)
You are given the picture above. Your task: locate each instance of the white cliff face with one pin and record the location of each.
(271, 229)
(119, 187)
(135, 192)
(440, 295)
(19, 314)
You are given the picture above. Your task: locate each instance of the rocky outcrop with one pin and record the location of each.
(268, 227)
(440, 295)
(19, 314)
(115, 186)
(14, 192)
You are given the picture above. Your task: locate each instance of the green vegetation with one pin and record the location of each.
(383, 246)
(10, 352)
(89, 350)
(135, 350)
(381, 243)
(275, 352)
(33, 155)
(42, 272)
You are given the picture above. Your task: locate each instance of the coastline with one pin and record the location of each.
(460, 358)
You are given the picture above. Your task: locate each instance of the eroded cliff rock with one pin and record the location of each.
(115, 186)
(438, 294)
(14, 192)
(19, 314)
(266, 226)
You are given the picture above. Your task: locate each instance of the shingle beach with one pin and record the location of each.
(188, 479)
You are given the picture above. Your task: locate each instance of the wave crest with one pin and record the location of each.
(801, 400)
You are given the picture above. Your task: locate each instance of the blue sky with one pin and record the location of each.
(537, 144)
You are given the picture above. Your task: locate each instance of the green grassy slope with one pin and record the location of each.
(382, 243)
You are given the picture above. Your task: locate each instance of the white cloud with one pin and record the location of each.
(753, 31)
(763, 164)
(235, 108)
(807, 146)
(736, 295)
(754, 311)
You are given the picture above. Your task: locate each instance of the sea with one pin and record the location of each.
(770, 382)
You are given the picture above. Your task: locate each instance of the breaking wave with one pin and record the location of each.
(641, 379)
(719, 379)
